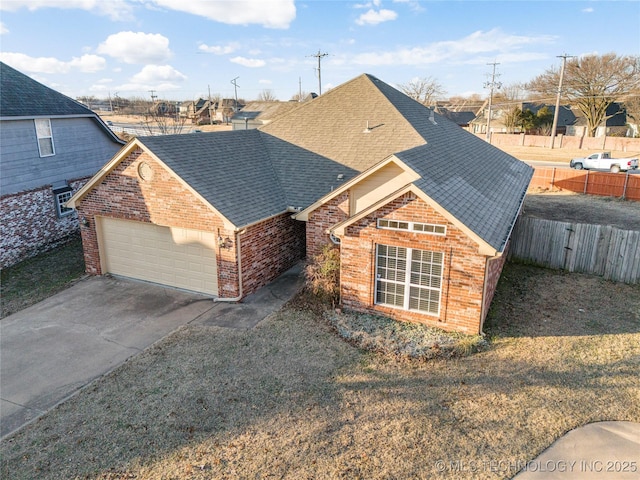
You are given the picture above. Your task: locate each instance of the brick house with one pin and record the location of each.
(51, 145)
(421, 210)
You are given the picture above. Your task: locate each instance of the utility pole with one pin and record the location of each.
(554, 127)
(153, 95)
(235, 88)
(491, 85)
(319, 56)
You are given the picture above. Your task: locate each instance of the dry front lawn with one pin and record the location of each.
(290, 399)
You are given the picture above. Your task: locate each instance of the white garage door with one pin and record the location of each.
(170, 256)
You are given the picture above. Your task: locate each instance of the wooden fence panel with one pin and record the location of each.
(594, 249)
(607, 184)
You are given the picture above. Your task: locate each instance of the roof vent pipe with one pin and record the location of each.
(367, 130)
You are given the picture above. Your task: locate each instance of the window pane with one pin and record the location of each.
(43, 128)
(46, 146)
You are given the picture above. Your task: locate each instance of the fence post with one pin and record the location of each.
(553, 177)
(626, 182)
(586, 182)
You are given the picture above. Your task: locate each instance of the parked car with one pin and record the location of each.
(604, 161)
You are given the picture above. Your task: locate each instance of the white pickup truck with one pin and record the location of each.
(603, 161)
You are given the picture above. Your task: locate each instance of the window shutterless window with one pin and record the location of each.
(61, 196)
(409, 278)
(431, 228)
(45, 137)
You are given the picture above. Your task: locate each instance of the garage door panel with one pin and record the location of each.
(172, 256)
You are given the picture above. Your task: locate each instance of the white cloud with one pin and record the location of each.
(269, 14)
(220, 49)
(161, 78)
(136, 47)
(265, 82)
(3, 29)
(249, 62)
(158, 73)
(471, 49)
(374, 17)
(25, 63)
(115, 9)
(587, 10)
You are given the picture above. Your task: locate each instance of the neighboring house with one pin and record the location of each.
(461, 118)
(50, 146)
(421, 210)
(566, 118)
(257, 114)
(614, 125)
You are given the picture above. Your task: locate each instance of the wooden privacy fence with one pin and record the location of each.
(595, 249)
(623, 185)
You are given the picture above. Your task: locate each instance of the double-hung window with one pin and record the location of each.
(45, 137)
(409, 278)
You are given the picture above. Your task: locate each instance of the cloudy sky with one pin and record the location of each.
(182, 49)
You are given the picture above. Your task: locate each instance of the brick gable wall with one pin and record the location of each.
(164, 200)
(463, 275)
(325, 216)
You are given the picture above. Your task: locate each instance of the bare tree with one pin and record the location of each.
(425, 90)
(509, 101)
(163, 121)
(591, 83)
(267, 95)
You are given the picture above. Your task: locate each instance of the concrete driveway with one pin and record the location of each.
(51, 350)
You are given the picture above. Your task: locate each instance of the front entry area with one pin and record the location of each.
(177, 257)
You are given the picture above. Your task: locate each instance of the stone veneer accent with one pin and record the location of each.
(268, 248)
(29, 223)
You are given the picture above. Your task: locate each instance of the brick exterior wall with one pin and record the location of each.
(270, 248)
(164, 200)
(494, 270)
(463, 267)
(29, 223)
(327, 215)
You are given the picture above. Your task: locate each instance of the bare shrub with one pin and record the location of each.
(323, 274)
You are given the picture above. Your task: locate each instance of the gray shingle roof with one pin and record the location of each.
(295, 160)
(22, 96)
(231, 170)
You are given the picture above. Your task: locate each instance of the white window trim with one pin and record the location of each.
(412, 226)
(43, 137)
(58, 196)
(407, 283)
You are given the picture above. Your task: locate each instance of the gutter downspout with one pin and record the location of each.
(239, 250)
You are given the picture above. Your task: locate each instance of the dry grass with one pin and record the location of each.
(560, 155)
(289, 399)
(39, 277)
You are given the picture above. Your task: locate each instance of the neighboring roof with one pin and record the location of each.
(264, 111)
(22, 96)
(616, 116)
(459, 118)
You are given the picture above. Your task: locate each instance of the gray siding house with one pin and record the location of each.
(50, 145)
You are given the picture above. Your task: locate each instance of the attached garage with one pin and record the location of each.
(177, 257)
